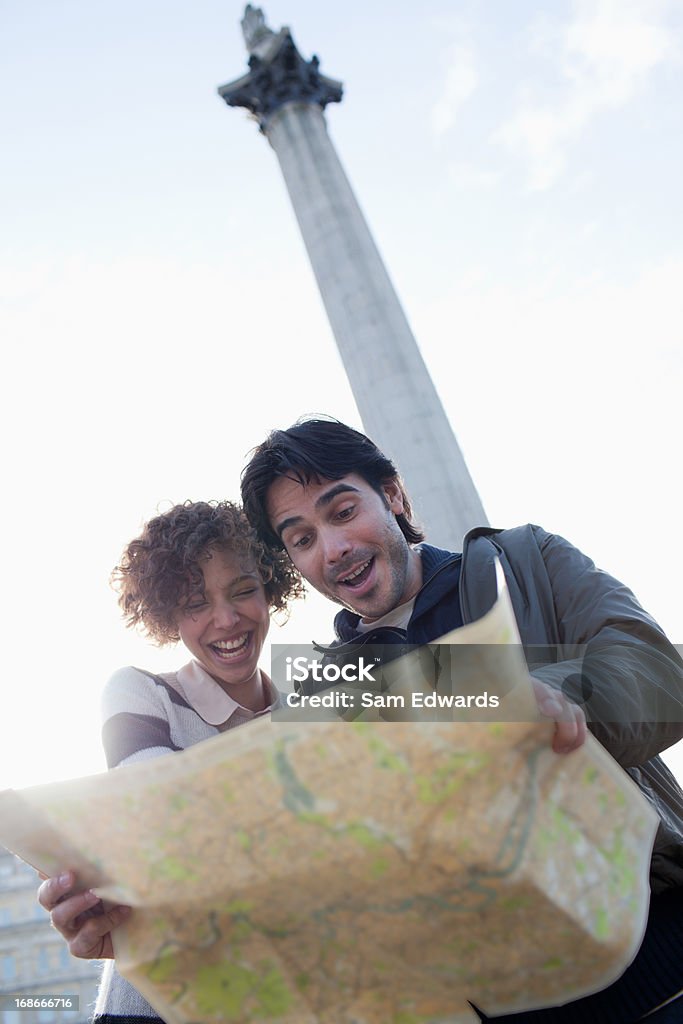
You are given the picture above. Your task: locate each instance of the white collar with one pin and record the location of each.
(399, 617)
(210, 700)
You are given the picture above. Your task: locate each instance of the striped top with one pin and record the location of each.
(146, 715)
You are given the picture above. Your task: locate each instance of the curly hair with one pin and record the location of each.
(160, 568)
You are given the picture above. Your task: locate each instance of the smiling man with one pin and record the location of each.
(328, 496)
(345, 539)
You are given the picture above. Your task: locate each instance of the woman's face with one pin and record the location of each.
(225, 623)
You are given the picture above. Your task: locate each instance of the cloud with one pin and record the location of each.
(603, 58)
(468, 176)
(460, 82)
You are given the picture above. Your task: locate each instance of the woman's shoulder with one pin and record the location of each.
(131, 675)
(138, 685)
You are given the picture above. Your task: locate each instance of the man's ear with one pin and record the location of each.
(394, 495)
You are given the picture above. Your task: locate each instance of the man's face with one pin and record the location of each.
(343, 538)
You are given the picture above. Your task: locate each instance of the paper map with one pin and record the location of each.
(365, 872)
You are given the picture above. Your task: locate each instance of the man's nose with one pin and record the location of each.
(336, 544)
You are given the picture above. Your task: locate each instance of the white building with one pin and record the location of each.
(34, 960)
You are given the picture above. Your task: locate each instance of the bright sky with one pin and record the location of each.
(520, 166)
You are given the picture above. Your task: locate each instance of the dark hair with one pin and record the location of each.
(160, 568)
(317, 449)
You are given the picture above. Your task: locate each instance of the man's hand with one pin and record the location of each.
(79, 916)
(570, 721)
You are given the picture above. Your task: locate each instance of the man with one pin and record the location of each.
(336, 504)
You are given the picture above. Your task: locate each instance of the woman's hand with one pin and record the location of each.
(79, 916)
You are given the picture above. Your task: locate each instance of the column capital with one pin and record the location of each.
(280, 76)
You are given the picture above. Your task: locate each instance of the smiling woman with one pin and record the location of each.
(198, 574)
(224, 625)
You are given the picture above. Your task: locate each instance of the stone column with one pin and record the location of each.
(396, 398)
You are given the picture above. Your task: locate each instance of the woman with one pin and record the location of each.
(198, 574)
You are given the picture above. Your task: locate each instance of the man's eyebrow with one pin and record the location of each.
(321, 502)
(286, 523)
(330, 495)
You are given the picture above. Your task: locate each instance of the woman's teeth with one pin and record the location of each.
(229, 648)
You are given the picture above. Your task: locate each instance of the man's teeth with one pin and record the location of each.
(356, 572)
(226, 646)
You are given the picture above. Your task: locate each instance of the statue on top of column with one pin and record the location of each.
(278, 74)
(254, 29)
